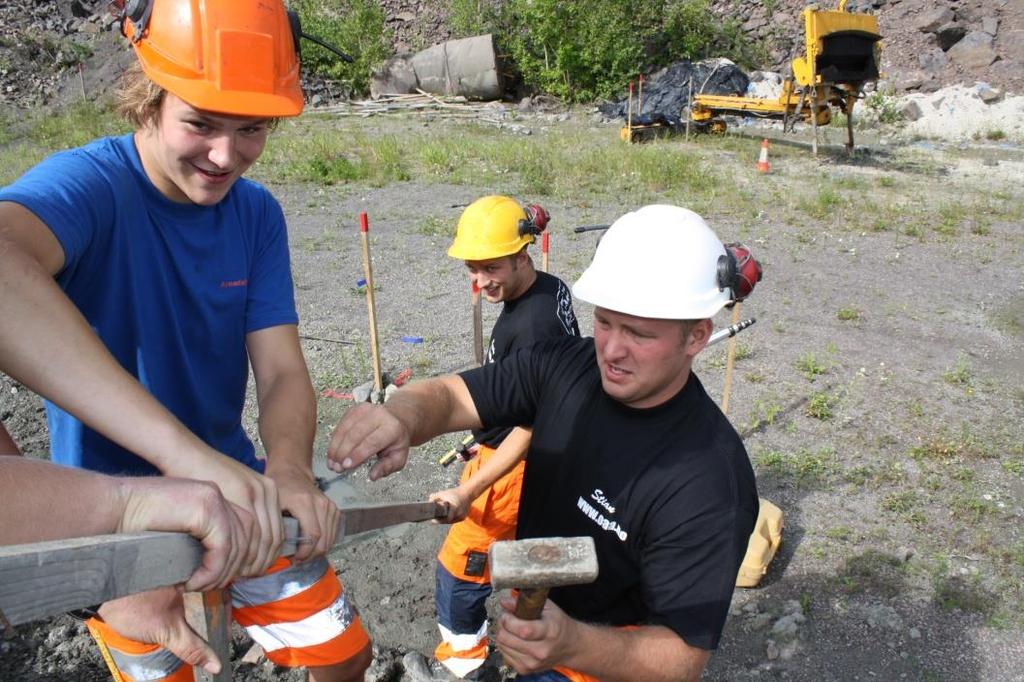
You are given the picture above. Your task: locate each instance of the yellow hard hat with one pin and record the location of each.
(491, 227)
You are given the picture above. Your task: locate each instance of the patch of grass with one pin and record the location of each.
(325, 241)
(840, 533)
(819, 406)
(810, 366)
(1016, 554)
(963, 475)
(965, 594)
(432, 226)
(950, 217)
(848, 314)
(995, 135)
(742, 352)
(421, 364)
(900, 502)
(872, 572)
(969, 508)
(764, 413)
(938, 448)
(807, 468)
(858, 476)
(773, 459)
(960, 373)
(80, 123)
(825, 203)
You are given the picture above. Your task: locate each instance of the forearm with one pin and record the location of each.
(432, 407)
(511, 451)
(54, 352)
(76, 502)
(645, 654)
(287, 421)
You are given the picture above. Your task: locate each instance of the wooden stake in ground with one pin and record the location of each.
(544, 246)
(689, 106)
(814, 119)
(209, 614)
(478, 324)
(629, 114)
(364, 232)
(730, 358)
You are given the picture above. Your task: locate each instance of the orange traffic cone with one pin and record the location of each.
(762, 160)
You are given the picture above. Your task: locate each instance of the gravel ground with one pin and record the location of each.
(903, 506)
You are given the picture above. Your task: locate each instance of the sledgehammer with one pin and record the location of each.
(534, 566)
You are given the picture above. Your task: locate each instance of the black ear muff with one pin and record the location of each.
(726, 271)
(296, 25)
(137, 13)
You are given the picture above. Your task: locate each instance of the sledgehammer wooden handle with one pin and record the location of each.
(531, 602)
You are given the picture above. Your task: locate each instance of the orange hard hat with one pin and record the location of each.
(223, 56)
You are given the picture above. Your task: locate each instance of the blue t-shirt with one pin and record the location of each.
(171, 289)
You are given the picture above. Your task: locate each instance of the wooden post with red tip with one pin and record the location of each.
(478, 324)
(364, 232)
(629, 113)
(545, 245)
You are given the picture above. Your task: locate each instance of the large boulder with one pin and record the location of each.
(950, 34)
(667, 92)
(974, 51)
(933, 61)
(931, 20)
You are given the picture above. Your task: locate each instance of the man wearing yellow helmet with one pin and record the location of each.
(492, 236)
(627, 449)
(143, 275)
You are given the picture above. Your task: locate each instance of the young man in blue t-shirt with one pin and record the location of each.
(140, 276)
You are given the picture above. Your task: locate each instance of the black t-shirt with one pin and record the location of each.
(667, 493)
(544, 311)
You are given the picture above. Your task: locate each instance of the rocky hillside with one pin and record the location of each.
(928, 43)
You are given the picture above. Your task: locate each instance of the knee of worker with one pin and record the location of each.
(133, 661)
(461, 606)
(301, 615)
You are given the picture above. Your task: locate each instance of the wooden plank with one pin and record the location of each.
(46, 578)
(209, 614)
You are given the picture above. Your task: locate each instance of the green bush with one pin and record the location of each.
(356, 27)
(585, 51)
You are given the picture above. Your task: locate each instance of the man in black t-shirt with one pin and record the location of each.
(627, 448)
(492, 239)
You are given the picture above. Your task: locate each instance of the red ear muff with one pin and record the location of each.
(738, 271)
(536, 220)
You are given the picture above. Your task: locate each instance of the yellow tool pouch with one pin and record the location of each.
(764, 542)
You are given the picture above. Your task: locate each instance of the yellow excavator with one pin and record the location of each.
(841, 55)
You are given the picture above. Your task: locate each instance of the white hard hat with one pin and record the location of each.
(658, 261)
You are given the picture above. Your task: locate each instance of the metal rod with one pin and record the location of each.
(590, 228)
(728, 332)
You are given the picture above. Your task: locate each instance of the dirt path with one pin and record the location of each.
(878, 394)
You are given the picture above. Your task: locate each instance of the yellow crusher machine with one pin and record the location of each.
(841, 55)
